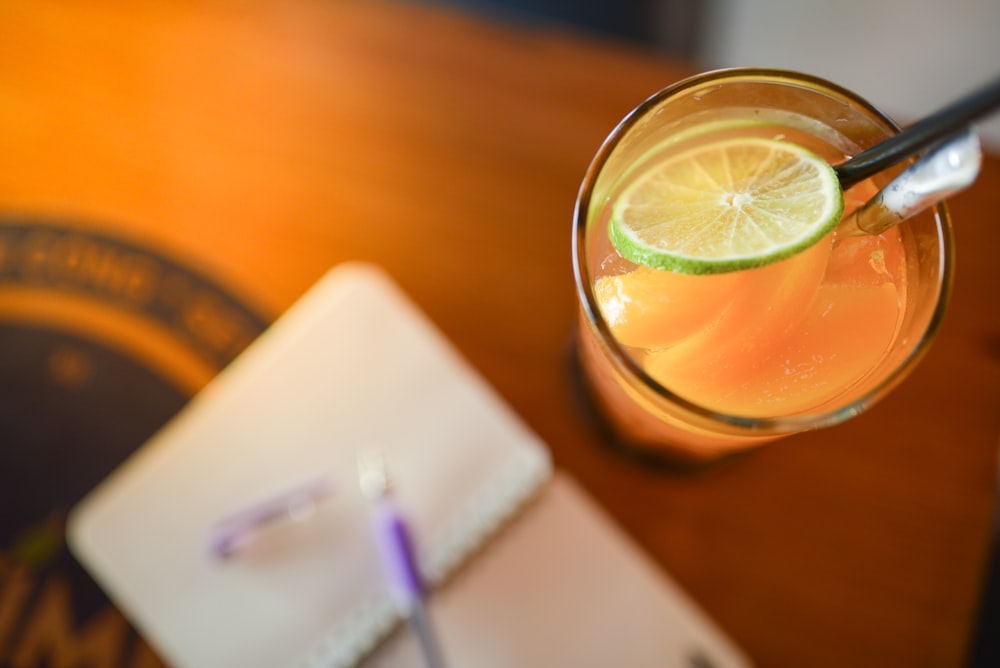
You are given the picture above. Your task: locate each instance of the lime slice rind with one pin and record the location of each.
(730, 205)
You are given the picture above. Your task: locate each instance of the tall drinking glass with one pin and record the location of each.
(689, 368)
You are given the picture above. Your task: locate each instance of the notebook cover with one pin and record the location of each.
(352, 364)
(563, 585)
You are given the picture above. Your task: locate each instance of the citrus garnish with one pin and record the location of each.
(731, 204)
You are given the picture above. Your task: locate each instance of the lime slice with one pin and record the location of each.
(731, 204)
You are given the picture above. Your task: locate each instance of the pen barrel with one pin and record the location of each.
(399, 555)
(399, 560)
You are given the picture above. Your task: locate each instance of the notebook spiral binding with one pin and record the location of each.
(493, 507)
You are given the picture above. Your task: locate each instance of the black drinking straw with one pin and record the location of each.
(920, 135)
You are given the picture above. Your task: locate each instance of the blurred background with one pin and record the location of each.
(128, 141)
(908, 58)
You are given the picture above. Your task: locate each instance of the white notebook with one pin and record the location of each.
(351, 365)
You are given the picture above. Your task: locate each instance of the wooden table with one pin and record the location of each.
(264, 143)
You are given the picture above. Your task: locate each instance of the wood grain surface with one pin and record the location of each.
(265, 142)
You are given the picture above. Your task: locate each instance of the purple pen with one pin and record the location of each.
(230, 534)
(399, 558)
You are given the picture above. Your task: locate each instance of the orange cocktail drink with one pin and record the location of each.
(696, 365)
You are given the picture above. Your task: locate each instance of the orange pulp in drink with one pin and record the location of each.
(798, 336)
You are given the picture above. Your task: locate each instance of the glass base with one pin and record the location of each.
(661, 459)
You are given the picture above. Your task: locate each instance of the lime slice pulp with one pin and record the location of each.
(728, 205)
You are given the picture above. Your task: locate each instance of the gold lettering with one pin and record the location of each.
(72, 259)
(33, 254)
(15, 586)
(213, 324)
(103, 268)
(206, 317)
(50, 638)
(72, 256)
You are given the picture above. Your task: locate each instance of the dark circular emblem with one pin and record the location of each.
(102, 341)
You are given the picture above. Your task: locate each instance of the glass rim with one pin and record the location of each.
(738, 424)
